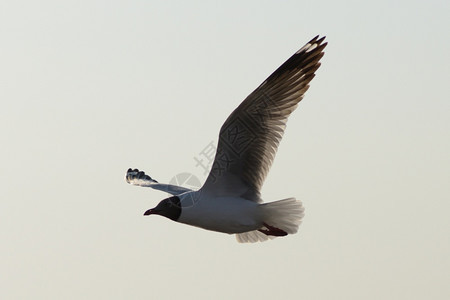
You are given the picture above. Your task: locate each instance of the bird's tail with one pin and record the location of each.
(281, 218)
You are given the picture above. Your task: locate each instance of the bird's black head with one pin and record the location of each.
(169, 208)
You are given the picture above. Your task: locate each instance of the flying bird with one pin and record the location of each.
(230, 200)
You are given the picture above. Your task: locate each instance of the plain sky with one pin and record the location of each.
(91, 88)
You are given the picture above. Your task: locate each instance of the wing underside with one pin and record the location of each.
(249, 138)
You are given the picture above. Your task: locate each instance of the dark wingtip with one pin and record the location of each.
(319, 41)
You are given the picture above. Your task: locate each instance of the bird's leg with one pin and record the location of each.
(272, 230)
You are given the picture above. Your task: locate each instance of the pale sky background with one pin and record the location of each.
(91, 88)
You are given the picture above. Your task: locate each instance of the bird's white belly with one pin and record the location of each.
(224, 214)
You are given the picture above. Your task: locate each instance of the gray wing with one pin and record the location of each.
(249, 138)
(139, 178)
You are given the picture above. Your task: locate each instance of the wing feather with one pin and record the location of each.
(249, 138)
(139, 178)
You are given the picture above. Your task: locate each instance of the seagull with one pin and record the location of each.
(230, 200)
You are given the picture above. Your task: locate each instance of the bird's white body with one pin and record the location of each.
(223, 214)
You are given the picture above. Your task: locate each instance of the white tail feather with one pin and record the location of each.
(252, 237)
(284, 214)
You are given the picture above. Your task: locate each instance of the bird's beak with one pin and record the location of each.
(150, 212)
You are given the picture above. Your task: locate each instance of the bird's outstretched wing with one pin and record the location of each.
(139, 178)
(249, 138)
